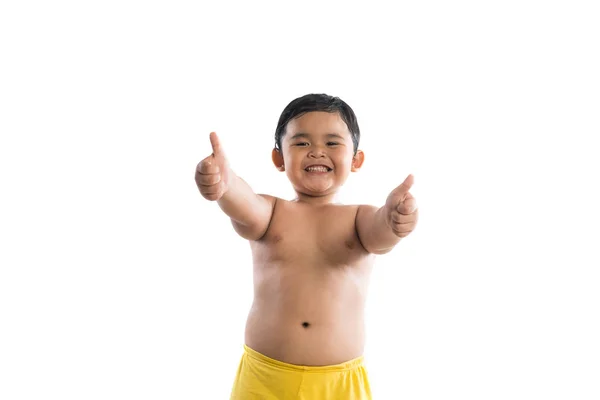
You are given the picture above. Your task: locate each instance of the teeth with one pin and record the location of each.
(317, 169)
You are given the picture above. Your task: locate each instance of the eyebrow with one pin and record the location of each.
(307, 135)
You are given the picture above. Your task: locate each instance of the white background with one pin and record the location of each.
(119, 281)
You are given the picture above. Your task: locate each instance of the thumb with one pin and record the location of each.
(408, 206)
(404, 187)
(216, 145)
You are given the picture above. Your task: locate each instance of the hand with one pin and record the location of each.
(213, 174)
(401, 209)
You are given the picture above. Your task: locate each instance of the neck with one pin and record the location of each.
(331, 198)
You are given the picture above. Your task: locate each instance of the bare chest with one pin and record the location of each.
(299, 234)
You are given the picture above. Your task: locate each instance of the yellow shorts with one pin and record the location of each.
(261, 377)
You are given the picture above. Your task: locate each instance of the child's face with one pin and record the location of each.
(317, 138)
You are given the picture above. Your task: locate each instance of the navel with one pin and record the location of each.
(305, 324)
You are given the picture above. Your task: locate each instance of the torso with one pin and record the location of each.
(311, 276)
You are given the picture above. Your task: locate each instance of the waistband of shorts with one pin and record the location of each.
(345, 366)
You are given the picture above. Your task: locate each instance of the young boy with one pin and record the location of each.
(312, 257)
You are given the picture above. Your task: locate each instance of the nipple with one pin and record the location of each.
(305, 324)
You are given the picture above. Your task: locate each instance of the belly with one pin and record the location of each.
(308, 315)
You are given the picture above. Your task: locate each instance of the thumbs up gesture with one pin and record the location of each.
(401, 209)
(213, 174)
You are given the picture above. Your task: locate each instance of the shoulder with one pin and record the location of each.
(352, 209)
(366, 209)
(364, 216)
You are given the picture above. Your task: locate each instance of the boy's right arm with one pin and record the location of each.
(250, 213)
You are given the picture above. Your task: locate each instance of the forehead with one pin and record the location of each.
(318, 123)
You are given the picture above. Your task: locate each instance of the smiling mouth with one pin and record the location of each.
(318, 168)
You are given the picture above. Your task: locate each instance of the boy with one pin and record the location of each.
(312, 257)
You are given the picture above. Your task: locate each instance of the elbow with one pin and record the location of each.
(252, 232)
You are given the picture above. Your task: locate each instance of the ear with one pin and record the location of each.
(357, 161)
(277, 158)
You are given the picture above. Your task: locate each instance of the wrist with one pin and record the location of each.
(386, 216)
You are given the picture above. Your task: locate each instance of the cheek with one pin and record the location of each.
(292, 159)
(344, 158)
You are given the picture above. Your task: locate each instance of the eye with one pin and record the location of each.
(332, 144)
(301, 144)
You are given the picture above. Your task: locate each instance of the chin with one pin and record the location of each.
(319, 193)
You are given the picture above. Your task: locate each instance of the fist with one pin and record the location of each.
(213, 174)
(401, 209)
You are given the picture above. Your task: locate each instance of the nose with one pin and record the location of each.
(317, 152)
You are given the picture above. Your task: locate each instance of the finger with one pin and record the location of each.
(208, 179)
(216, 144)
(206, 166)
(211, 196)
(408, 206)
(398, 218)
(404, 187)
(210, 189)
(401, 233)
(403, 223)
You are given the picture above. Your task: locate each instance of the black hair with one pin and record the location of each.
(317, 102)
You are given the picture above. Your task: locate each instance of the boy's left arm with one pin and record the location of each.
(379, 230)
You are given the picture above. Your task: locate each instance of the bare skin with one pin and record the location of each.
(310, 284)
(312, 257)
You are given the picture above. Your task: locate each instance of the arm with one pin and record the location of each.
(250, 213)
(379, 230)
(373, 231)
